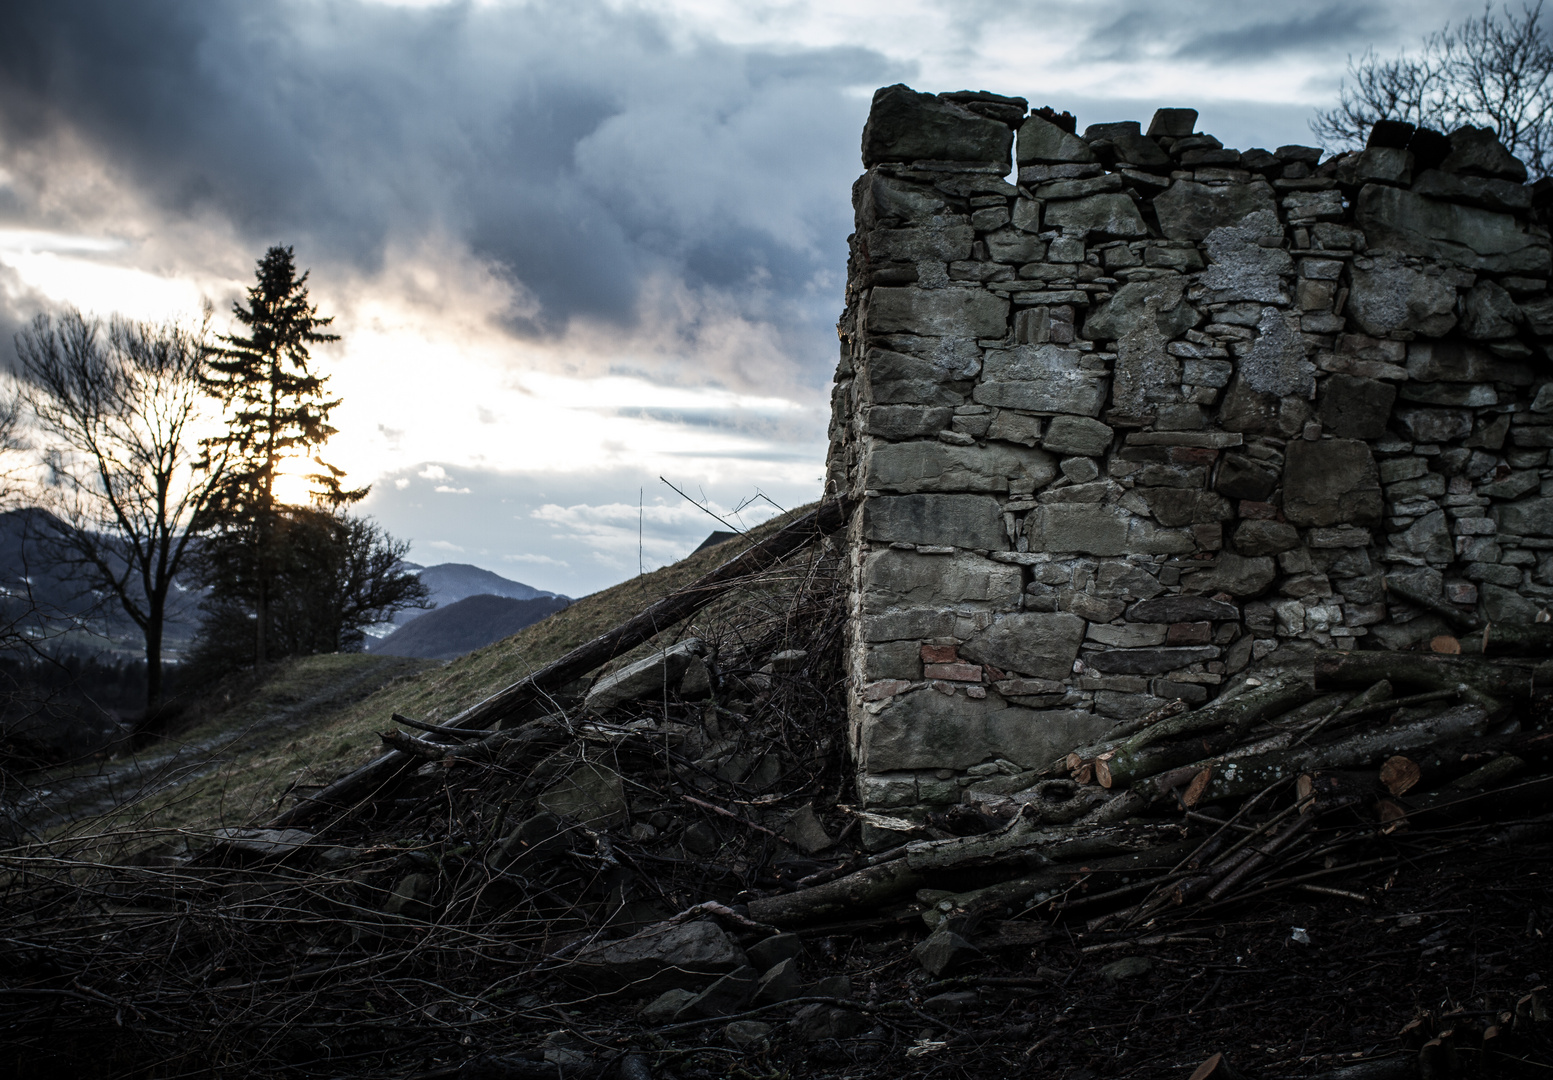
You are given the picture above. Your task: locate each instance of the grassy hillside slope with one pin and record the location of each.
(247, 786)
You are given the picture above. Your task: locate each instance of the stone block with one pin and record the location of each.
(1331, 482)
(1189, 633)
(1248, 410)
(1148, 661)
(1506, 196)
(1409, 224)
(1034, 643)
(1434, 425)
(1013, 246)
(1041, 142)
(1390, 294)
(1265, 537)
(1238, 575)
(893, 578)
(1354, 408)
(1184, 608)
(664, 956)
(1458, 361)
(1100, 530)
(1532, 517)
(924, 730)
(1190, 210)
(898, 422)
(1505, 605)
(1131, 636)
(591, 793)
(965, 313)
(1177, 506)
(1478, 152)
(892, 660)
(1108, 214)
(1466, 395)
(1488, 313)
(1077, 435)
(934, 241)
(908, 624)
(1241, 477)
(920, 466)
(1010, 426)
(1129, 309)
(904, 125)
(1040, 379)
(965, 521)
(887, 200)
(1427, 538)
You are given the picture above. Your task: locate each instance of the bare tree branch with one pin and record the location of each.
(1493, 71)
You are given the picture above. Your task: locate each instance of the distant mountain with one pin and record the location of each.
(467, 624)
(52, 604)
(451, 582)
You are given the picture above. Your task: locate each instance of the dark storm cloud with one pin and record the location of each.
(578, 147)
(1247, 32)
(1310, 30)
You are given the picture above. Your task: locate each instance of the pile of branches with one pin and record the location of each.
(1276, 785)
(423, 908)
(425, 915)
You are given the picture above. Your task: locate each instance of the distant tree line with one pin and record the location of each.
(162, 446)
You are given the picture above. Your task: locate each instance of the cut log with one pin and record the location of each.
(1142, 755)
(1237, 776)
(1237, 710)
(870, 888)
(1488, 680)
(1399, 774)
(1462, 620)
(1024, 841)
(505, 705)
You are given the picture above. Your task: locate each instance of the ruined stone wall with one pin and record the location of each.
(1164, 414)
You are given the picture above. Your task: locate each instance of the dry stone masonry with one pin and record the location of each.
(1162, 414)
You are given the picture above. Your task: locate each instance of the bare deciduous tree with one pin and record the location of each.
(1493, 71)
(119, 408)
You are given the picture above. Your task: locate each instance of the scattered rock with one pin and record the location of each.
(660, 671)
(817, 1022)
(806, 831)
(833, 986)
(590, 793)
(1129, 967)
(667, 1006)
(661, 957)
(747, 1034)
(944, 951)
(726, 995)
(781, 982)
(773, 950)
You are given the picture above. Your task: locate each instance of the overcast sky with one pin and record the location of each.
(571, 245)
